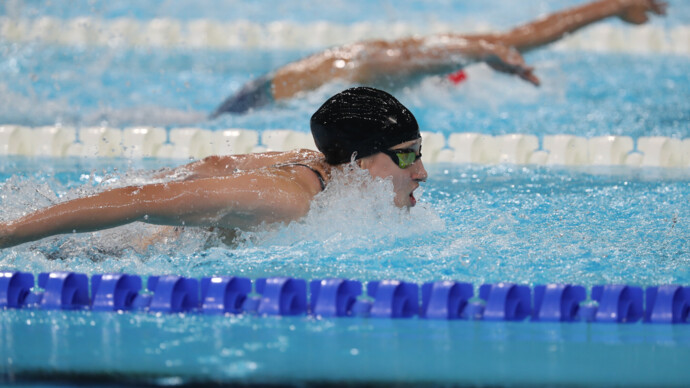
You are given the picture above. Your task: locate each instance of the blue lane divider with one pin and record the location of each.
(224, 294)
(557, 302)
(505, 301)
(173, 294)
(114, 292)
(393, 299)
(445, 300)
(64, 290)
(334, 297)
(667, 304)
(281, 296)
(618, 303)
(14, 288)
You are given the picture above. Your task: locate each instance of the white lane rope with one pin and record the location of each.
(467, 147)
(210, 34)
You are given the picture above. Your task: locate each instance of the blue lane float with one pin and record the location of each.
(667, 304)
(224, 294)
(445, 299)
(334, 297)
(393, 299)
(557, 302)
(14, 288)
(506, 302)
(618, 303)
(114, 292)
(279, 296)
(63, 291)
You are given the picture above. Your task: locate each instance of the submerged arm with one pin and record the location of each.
(232, 202)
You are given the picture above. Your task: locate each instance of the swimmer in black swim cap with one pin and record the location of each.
(226, 193)
(361, 121)
(374, 128)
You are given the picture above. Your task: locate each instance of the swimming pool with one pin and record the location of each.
(478, 223)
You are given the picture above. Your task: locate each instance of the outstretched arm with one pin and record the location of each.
(555, 26)
(237, 201)
(375, 62)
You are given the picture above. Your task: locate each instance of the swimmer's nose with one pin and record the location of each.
(419, 174)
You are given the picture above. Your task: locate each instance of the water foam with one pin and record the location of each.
(354, 210)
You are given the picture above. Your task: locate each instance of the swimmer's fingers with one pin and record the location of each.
(528, 75)
(508, 60)
(636, 12)
(659, 7)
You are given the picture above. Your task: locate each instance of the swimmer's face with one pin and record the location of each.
(405, 180)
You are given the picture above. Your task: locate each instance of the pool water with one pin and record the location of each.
(474, 223)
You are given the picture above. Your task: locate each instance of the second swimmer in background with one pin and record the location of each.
(391, 63)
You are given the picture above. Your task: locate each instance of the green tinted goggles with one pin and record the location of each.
(405, 157)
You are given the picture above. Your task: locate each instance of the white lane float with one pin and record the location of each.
(53, 140)
(142, 142)
(660, 151)
(97, 141)
(609, 150)
(16, 140)
(471, 147)
(285, 140)
(516, 148)
(235, 141)
(203, 33)
(189, 143)
(565, 150)
(432, 144)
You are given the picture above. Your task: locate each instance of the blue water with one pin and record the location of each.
(474, 223)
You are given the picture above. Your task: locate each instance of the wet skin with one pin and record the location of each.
(405, 180)
(225, 192)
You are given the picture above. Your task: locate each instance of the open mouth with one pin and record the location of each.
(413, 200)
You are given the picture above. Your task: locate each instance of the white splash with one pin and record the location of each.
(354, 210)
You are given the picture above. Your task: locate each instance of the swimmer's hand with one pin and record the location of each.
(508, 60)
(635, 11)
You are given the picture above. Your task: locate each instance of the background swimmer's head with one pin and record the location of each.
(362, 120)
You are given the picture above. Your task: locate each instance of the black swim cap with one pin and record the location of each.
(362, 120)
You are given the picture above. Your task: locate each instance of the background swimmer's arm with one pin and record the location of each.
(555, 26)
(232, 202)
(377, 61)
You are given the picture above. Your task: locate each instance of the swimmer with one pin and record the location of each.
(397, 62)
(241, 191)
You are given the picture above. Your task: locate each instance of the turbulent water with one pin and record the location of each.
(473, 223)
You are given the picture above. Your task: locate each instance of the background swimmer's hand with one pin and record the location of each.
(508, 60)
(635, 11)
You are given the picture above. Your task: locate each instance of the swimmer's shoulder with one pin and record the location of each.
(308, 167)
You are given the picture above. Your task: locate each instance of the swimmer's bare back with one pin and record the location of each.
(228, 192)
